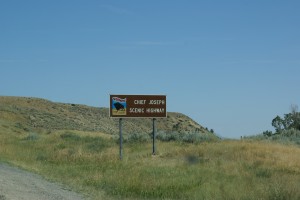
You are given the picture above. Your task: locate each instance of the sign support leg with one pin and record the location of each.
(121, 138)
(154, 136)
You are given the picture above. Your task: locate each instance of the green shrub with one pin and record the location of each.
(189, 137)
(278, 192)
(136, 137)
(291, 133)
(263, 173)
(32, 136)
(96, 144)
(167, 137)
(267, 133)
(69, 136)
(290, 136)
(41, 157)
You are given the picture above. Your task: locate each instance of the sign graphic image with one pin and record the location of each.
(119, 106)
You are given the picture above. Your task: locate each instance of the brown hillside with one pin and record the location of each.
(35, 113)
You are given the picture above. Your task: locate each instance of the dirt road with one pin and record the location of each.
(18, 184)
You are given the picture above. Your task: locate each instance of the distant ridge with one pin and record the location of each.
(36, 113)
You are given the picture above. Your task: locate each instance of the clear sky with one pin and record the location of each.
(230, 65)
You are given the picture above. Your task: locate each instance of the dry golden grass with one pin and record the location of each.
(89, 162)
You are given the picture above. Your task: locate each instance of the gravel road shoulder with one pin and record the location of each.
(20, 184)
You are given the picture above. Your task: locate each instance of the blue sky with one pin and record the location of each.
(230, 65)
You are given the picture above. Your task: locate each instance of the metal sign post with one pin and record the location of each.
(154, 136)
(121, 138)
(137, 106)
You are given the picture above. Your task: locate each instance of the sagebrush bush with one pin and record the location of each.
(291, 132)
(136, 137)
(95, 144)
(32, 136)
(289, 136)
(189, 137)
(167, 137)
(69, 136)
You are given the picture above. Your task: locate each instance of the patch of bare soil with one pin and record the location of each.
(19, 184)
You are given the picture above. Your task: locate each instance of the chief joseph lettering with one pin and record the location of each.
(151, 102)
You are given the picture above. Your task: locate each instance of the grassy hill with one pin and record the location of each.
(88, 161)
(34, 113)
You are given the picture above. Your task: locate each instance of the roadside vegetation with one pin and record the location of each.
(78, 146)
(287, 129)
(197, 167)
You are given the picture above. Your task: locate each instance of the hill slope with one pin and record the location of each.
(35, 113)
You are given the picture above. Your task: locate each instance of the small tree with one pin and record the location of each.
(277, 123)
(290, 120)
(295, 116)
(268, 133)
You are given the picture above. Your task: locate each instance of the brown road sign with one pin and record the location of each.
(152, 106)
